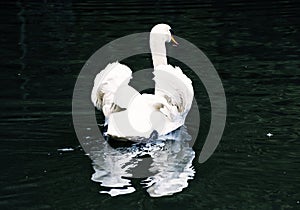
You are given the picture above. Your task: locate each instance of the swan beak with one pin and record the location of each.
(174, 41)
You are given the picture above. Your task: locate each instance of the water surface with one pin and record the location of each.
(255, 49)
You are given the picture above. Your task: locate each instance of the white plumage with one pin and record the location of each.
(163, 111)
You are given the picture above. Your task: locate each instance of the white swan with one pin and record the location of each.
(163, 111)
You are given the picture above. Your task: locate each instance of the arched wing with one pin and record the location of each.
(106, 84)
(173, 85)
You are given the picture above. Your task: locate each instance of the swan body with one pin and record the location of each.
(131, 114)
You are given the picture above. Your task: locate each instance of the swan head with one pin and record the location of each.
(165, 31)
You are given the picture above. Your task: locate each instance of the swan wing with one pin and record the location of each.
(177, 90)
(106, 84)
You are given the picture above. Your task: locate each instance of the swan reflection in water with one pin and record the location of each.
(166, 162)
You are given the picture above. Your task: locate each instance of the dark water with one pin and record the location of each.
(255, 49)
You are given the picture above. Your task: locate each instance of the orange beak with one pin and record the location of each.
(174, 41)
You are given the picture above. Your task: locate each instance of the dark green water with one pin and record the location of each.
(255, 49)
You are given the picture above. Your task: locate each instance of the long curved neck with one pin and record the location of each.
(158, 49)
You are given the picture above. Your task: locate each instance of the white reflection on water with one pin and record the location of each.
(168, 172)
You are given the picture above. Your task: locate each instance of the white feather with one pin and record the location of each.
(171, 102)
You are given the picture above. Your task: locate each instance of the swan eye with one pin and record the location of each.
(171, 31)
